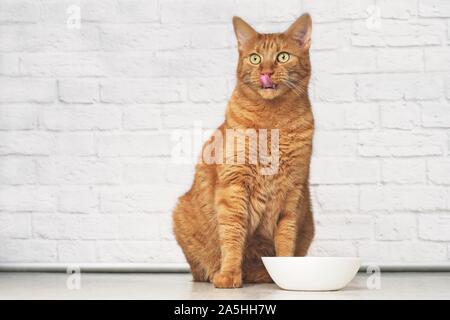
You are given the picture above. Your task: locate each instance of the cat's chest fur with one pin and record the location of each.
(291, 124)
(268, 192)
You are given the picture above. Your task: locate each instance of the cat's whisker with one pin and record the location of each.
(297, 90)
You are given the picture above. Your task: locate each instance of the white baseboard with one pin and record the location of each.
(96, 267)
(183, 268)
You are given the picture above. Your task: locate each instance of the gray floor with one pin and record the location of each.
(180, 286)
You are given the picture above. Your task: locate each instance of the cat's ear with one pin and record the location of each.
(244, 32)
(301, 31)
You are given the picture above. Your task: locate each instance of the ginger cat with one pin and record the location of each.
(234, 213)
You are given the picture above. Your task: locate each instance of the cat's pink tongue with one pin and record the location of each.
(266, 81)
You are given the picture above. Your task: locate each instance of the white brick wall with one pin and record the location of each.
(86, 118)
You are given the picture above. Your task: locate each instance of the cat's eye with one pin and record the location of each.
(255, 58)
(283, 57)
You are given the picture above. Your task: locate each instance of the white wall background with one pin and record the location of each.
(86, 118)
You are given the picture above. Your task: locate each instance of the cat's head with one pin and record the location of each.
(274, 64)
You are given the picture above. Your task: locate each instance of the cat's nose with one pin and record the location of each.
(266, 74)
(266, 80)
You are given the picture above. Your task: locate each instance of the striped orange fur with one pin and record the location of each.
(233, 214)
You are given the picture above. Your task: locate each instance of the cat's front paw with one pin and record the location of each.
(227, 279)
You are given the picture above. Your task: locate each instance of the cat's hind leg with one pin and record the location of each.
(198, 273)
(256, 273)
(199, 247)
(186, 240)
(253, 268)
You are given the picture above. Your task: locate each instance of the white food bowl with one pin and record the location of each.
(312, 273)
